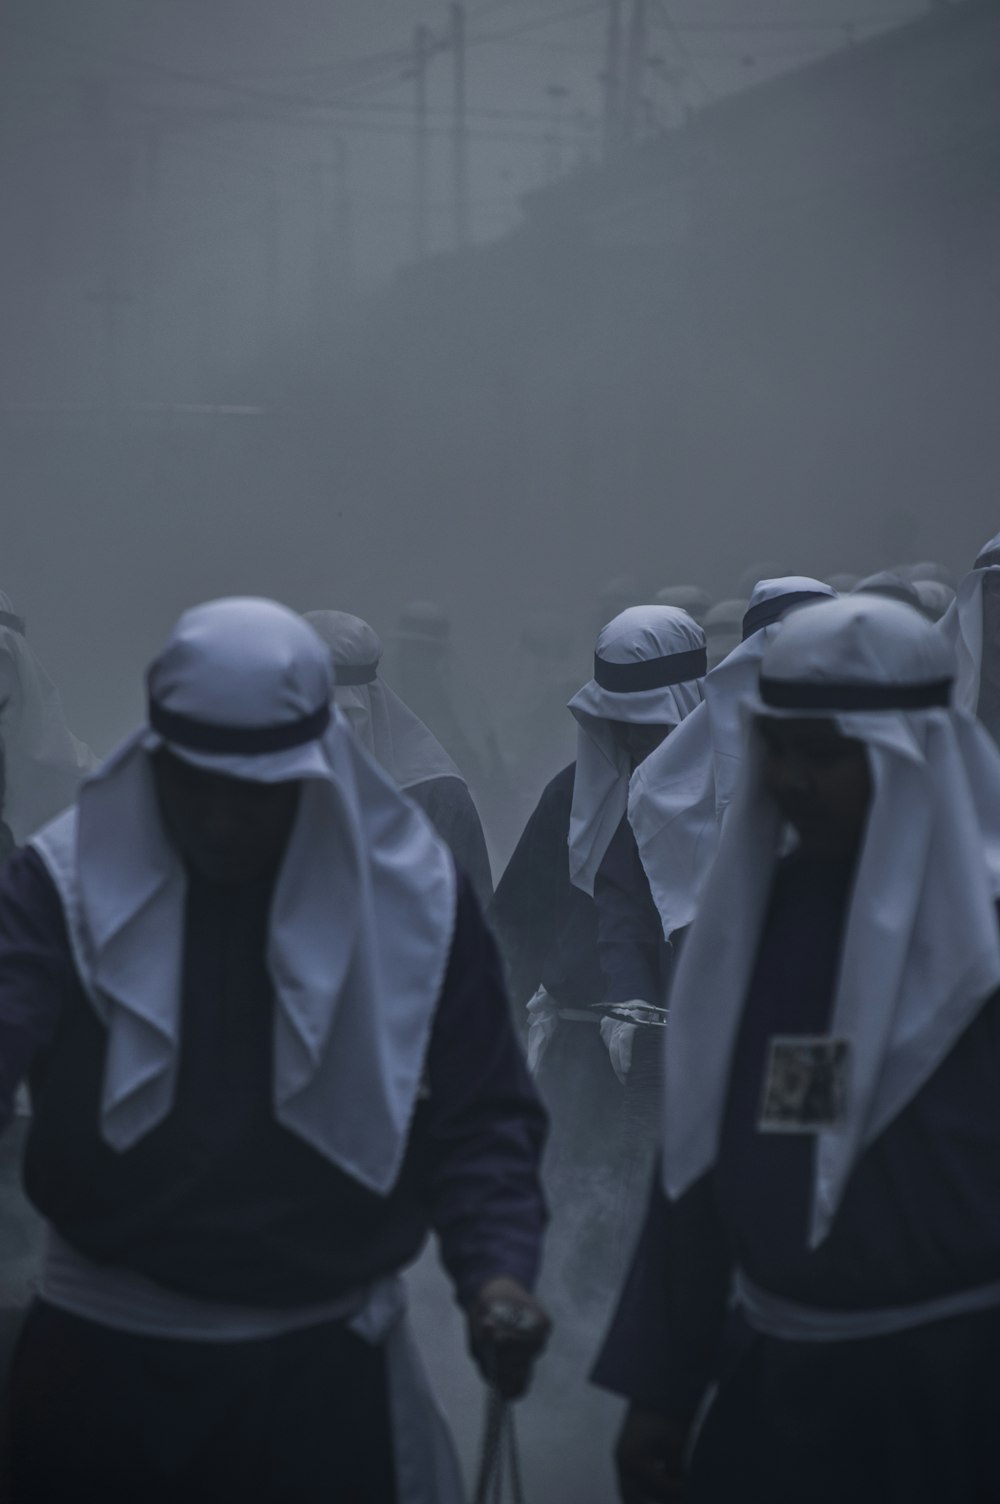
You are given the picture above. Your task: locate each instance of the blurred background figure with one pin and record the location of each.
(843, 583)
(44, 761)
(891, 586)
(767, 569)
(724, 629)
(538, 736)
(935, 597)
(971, 625)
(401, 744)
(928, 570)
(690, 598)
(422, 667)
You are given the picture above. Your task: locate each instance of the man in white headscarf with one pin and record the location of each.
(971, 626)
(43, 762)
(831, 1144)
(401, 744)
(679, 796)
(269, 1050)
(648, 666)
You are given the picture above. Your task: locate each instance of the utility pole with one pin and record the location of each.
(111, 173)
(460, 140)
(635, 58)
(613, 78)
(343, 214)
(271, 260)
(150, 249)
(422, 48)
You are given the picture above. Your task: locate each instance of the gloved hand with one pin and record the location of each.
(543, 1021)
(507, 1331)
(649, 1458)
(618, 1034)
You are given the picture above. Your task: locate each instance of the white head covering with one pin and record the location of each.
(362, 913)
(891, 585)
(920, 951)
(722, 628)
(962, 626)
(44, 761)
(648, 669)
(390, 732)
(679, 795)
(935, 597)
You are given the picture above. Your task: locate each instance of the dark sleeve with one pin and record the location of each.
(450, 808)
(664, 1339)
(635, 958)
(485, 1124)
(36, 969)
(523, 913)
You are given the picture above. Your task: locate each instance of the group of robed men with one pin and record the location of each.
(269, 1049)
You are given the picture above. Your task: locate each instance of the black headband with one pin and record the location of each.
(347, 675)
(650, 673)
(795, 694)
(15, 623)
(766, 613)
(250, 741)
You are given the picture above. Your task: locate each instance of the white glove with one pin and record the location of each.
(543, 1021)
(618, 1035)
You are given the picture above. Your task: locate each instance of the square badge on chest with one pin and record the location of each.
(805, 1084)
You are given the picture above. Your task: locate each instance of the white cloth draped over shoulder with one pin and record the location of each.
(649, 666)
(962, 625)
(45, 762)
(362, 915)
(920, 952)
(679, 795)
(390, 732)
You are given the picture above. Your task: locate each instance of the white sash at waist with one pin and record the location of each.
(427, 1470)
(773, 1316)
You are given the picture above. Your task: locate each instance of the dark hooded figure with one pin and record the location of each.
(401, 744)
(647, 677)
(823, 1244)
(269, 1051)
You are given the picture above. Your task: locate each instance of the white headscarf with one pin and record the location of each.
(678, 796)
(362, 913)
(962, 626)
(44, 761)
(390, 732)
(920, 952)
(648, 669)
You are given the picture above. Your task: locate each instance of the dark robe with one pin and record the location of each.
(219, 1201)
(547, 932)
(449, 807)
(896, 1417)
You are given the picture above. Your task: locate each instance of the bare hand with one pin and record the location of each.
(507, 1331)
(649, 1459)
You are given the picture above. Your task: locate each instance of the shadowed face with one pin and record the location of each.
(640, 740)
(820, 782)
(229, 829)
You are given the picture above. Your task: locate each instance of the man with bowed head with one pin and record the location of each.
(831, 1149)
(269, 1050)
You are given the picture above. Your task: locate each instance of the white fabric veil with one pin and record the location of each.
(920, 952)
(648, 669)
(361, 919)
(679, 795)
(962, 625)
(45, 762)
(389, 731)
